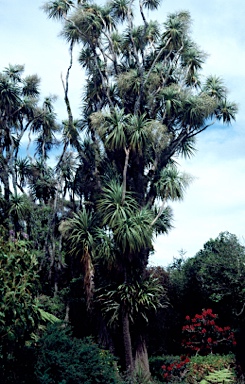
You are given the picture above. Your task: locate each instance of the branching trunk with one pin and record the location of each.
(124, 185)
(67, 102)
(163, 161)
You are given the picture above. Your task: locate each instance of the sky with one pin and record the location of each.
(215, 200)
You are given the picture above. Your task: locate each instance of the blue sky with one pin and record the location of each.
(215, 200)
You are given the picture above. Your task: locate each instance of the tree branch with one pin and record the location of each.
(124, 185)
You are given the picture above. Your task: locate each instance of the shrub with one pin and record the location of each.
(168, 367)
(179, 369)
(201, 366)
(203, 335)
(62, 359)
(176, 370)
(19, 307)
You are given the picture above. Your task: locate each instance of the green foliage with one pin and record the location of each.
(137, 298)
(80, 232)
(19, 307)
(201, 366)
(214, 278)
(46, 316)
(20, 312)
(62, 359)
(54, 305)
(221, 265)
(115, 210)
(223, 376)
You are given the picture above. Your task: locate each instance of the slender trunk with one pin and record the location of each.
(5, 180)
(11, 165)
(142, 13)
(52, 246)
(88, 277)
(127, 343)
(159, 213)
(66, 319)
(16, 223)
(66, 88)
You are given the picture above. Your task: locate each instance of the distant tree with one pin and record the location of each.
(19, 113)
(213, 278)
(219, 273)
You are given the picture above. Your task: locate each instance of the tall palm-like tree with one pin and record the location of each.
(80, 232)
(67, 168)
(19, 211)
(22, 172)
(10, 91)
(143, 105)
(45, 126)
(131, 233)
(18, 112)
(42, 182)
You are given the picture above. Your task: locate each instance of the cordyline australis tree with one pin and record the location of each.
(20, 114)
(143, 105)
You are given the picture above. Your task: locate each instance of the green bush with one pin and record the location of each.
(19, 314)
(62, 359)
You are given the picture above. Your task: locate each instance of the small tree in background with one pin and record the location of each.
(202, 334)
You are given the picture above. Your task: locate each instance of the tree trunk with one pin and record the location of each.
(127, 344)
(5, 181)
(6, 214)
(104, 336)
(141, 358)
